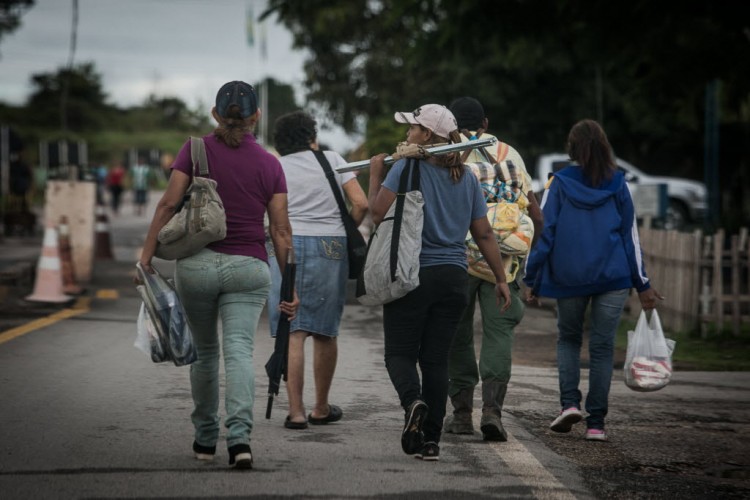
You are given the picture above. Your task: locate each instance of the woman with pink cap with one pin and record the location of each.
(419, 327)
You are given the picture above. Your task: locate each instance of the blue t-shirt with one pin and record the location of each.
(449, 209)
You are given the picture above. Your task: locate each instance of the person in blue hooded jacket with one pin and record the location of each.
(588, 253)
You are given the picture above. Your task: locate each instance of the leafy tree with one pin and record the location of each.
(10, 14)
(641, 67)
(170, 113)
(87, 108)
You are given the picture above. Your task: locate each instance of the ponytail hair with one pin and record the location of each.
(451, 161)
(232, 129)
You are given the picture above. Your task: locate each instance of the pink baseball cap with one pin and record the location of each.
(435, 117)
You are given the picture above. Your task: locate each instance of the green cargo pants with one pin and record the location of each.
(497, 338)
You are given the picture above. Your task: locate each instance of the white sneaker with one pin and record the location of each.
(564, 422)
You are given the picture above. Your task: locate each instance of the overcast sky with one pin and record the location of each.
(182, 48)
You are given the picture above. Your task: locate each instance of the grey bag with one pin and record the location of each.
(392, 263)
(201, 220)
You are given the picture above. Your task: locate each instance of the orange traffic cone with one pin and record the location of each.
(102, 241)
(66, 259)
(49, 282)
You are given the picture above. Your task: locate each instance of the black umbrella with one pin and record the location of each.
(277, 364)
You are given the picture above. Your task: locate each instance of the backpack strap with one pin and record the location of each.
(198, 155)
(471, 137)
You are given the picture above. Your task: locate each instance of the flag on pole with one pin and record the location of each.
(250, 25)
(263, 45)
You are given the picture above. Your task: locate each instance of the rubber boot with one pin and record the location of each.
(460, 422)
(493, 396)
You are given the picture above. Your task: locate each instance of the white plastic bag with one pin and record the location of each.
(648, 362)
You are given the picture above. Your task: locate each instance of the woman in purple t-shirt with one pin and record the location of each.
(228, 279)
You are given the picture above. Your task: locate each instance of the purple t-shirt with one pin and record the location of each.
(247, 177)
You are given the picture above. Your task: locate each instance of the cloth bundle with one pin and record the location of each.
(507, 207)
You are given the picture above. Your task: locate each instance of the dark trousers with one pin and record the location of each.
(419, 328)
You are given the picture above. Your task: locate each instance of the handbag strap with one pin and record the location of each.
(411, 168)
(198, 155)
(330, 175)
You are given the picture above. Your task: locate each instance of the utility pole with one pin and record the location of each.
(69, 70)
(711, 153)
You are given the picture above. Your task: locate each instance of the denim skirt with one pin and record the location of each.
(322, 271)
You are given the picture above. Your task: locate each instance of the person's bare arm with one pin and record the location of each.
(536, 216)
(379, 200)
(280, 230)
(165, 210)
(484, 237)
(357, 199)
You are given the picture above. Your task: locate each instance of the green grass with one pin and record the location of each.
(718, 352)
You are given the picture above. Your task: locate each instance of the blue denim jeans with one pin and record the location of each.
(232, 288)
(606, 309)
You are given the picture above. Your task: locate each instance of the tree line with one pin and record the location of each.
(639, 67)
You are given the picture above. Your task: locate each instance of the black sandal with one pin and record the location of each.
(334, 415)
(294, 425)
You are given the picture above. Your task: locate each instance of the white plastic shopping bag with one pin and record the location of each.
(648, 362)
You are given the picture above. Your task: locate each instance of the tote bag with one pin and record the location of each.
(201, 219)
(392, 263)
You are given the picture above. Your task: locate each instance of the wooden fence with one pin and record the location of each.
(705, 279)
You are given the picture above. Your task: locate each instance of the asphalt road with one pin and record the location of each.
(83, 414)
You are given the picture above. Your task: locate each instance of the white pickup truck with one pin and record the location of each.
(687, 199)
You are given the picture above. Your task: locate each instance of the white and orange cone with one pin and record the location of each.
(49, 281)
(102, 242)
(66, 259)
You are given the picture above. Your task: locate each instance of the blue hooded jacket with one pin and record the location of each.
(589, 244)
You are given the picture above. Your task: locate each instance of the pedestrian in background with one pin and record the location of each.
(322, 263)
(229, 279)
(420, 326)
(588, 256)
(115, 185)
(140, 177)
(101, 172)
(497, 329)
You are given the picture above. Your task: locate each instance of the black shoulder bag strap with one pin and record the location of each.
(331, 176)
(412, 166)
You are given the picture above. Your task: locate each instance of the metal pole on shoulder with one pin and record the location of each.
(436, 151)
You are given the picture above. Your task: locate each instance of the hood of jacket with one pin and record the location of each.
(580, 193)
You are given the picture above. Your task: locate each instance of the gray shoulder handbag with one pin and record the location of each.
(200, 220)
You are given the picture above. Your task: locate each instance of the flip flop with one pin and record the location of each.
(334, 415)
(294, 425)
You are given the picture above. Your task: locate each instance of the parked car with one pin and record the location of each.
(687, 199)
